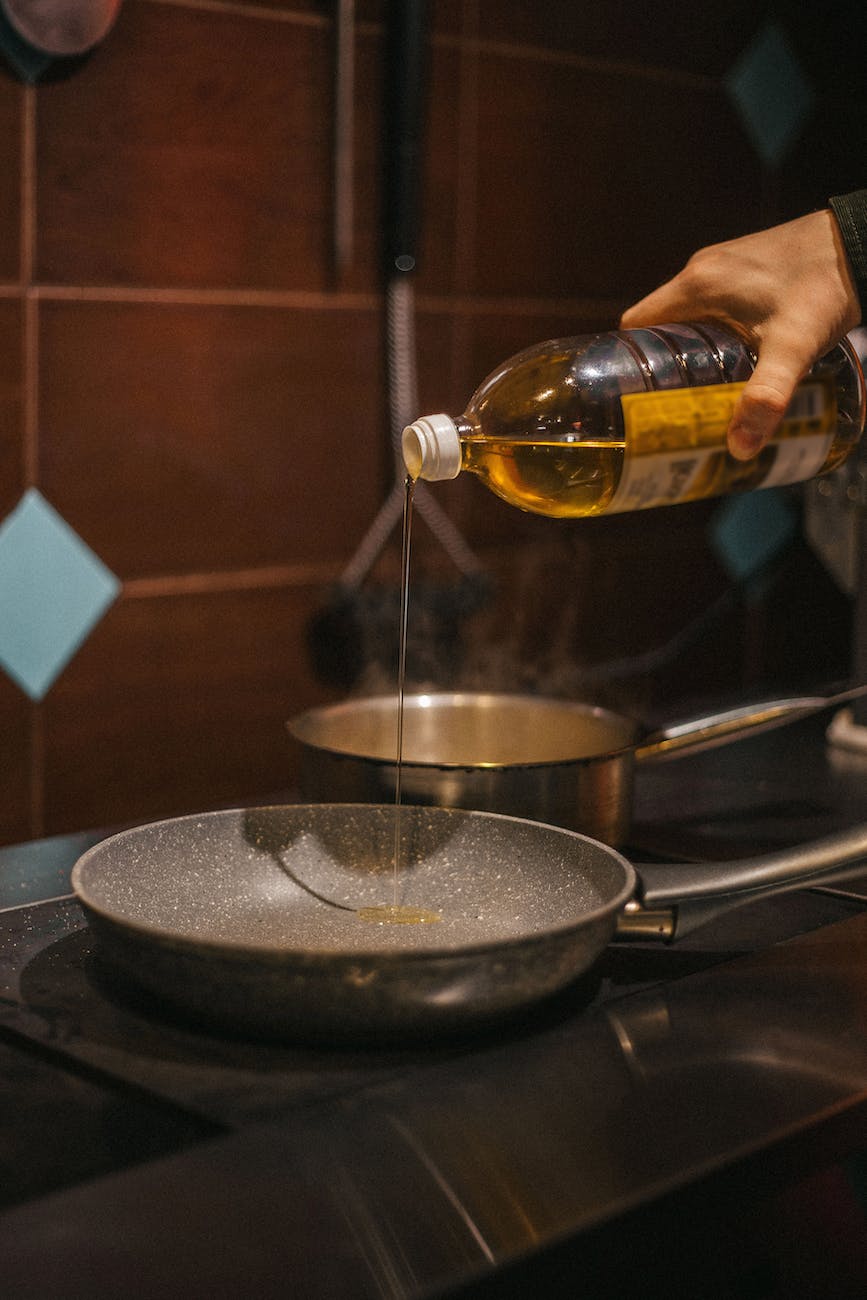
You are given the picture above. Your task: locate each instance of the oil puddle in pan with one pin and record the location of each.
(395, 913)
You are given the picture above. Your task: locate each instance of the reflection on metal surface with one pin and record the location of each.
(845, 732)
(639, 922)
(756, 1032)
(647, 1092)
(633, 1030)
(445, 1187)
(407, 1222)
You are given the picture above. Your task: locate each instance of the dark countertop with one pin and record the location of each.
(705, 1103)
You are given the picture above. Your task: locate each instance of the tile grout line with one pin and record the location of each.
(467, 162)
(31, 315)
(617, 68)
(25, 269)
(218, 582)
(466, 180)
(243, 10)
(30, 417)
(30, 411)
(37, 770)
(300, 300)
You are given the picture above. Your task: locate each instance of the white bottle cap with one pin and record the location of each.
(432, 448)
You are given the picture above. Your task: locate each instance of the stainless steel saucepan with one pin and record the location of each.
(552, 760)
(249, 920)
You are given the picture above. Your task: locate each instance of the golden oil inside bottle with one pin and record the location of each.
(576, 477)
(560, 479)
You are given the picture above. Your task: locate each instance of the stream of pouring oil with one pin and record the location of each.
(394, 913)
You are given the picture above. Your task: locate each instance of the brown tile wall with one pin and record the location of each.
(189, 383)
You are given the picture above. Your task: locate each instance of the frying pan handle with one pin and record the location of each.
(698, 734)
(692, 894)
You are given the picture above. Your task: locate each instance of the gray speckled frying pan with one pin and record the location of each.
(248, 920)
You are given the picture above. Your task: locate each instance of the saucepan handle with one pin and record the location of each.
(698, 734)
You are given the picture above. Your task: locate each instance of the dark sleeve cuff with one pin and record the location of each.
(851, 213)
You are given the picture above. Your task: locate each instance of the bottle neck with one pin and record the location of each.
(431, 448)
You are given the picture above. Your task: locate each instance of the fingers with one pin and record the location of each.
(664, 304)
(765, 398)
(786, 291)
(767, 395)
(700, 289)
(762, 405)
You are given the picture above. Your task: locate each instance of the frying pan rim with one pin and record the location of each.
(332, 956)
(539, 701)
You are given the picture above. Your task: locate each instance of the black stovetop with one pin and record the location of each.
(104, 1086)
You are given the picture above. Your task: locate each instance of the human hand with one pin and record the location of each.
(787, 291)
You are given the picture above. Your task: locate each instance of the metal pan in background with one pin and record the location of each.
(247, 920)
(61, 28)
(554, 761)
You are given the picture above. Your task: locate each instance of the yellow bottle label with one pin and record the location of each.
(675, 444)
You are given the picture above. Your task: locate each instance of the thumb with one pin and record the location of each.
(762, 406)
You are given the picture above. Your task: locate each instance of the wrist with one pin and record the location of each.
(850, 220)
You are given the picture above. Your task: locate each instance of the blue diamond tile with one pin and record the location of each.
(771, 93)
(747, 532)
(53, 590)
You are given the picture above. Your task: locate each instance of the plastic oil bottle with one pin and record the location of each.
(630, 419)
